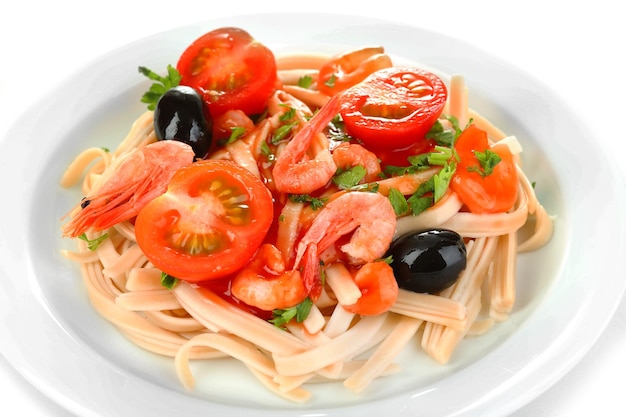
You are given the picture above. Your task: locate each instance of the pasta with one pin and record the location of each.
(194, 322)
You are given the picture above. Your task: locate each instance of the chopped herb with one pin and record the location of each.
(419, 203)
(445, 137)
(168, 281)
(431, 191)
(441, 155)
(282, 132)
(160, 87)
(235, 133)
(371, 187)
(441, 181)
(349, 178)
(288, 115)
(300, 312)
(418, 162)
(305, 81)
(440, 135)
(337, 130)
(388, 260)
(398, 202)
(487, 160)
(92, 244)
(269, 155)
(105, 149)
(331, 81)
(316, 203)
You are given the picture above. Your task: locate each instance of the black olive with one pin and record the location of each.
(180, 115)
(428, 261)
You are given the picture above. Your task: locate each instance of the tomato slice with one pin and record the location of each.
(208, 224)
(394, 108)
(483, 191)
(230, 69)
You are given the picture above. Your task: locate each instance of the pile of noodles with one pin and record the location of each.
(189, 322)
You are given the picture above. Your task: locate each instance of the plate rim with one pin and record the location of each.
(39, 303)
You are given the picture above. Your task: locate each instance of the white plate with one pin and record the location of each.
(63, 347)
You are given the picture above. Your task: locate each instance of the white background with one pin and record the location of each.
(576, 48)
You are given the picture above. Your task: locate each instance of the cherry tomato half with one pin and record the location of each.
(481, 191)
(379, 289)
(208, 224)
(230, 69)
(394, 108)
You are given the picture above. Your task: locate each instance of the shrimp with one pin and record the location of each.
(369, 215)
(266, 284)
(348, 155)
(350, 68)
(128, 184)
(294, 172)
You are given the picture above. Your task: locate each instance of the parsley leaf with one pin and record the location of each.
(487, 160)
(160, 87)
(282, 132)
(305, 81)
(441, 181)
(168, 281)
(419, 203)
(431, 191)
(235, 133)
(92, 244)
(349, 178)
(267, 152)
(316, 203)
(300, 312)
(331, 81)
(398, 202)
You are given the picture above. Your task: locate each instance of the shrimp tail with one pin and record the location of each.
(311, 272)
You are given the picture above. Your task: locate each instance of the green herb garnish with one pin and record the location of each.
(315, 202)
(398, 202)
(168, 281)
(300, 313)
(487, 160)
(160, 87)
(305, 81)
(92, 244)
(349, 178)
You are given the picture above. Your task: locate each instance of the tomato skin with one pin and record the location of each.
(208, 224)
(379, 289)
(230, 69)
(493, 193)
(394, 108)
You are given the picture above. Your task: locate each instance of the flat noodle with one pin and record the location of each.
(431, 308)
(384, 355)
(503, 278)
(458, 102)
(230, 345)
(75, 172)
(340, 281)
(207, 307)
(337, 350)
(189, 322)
